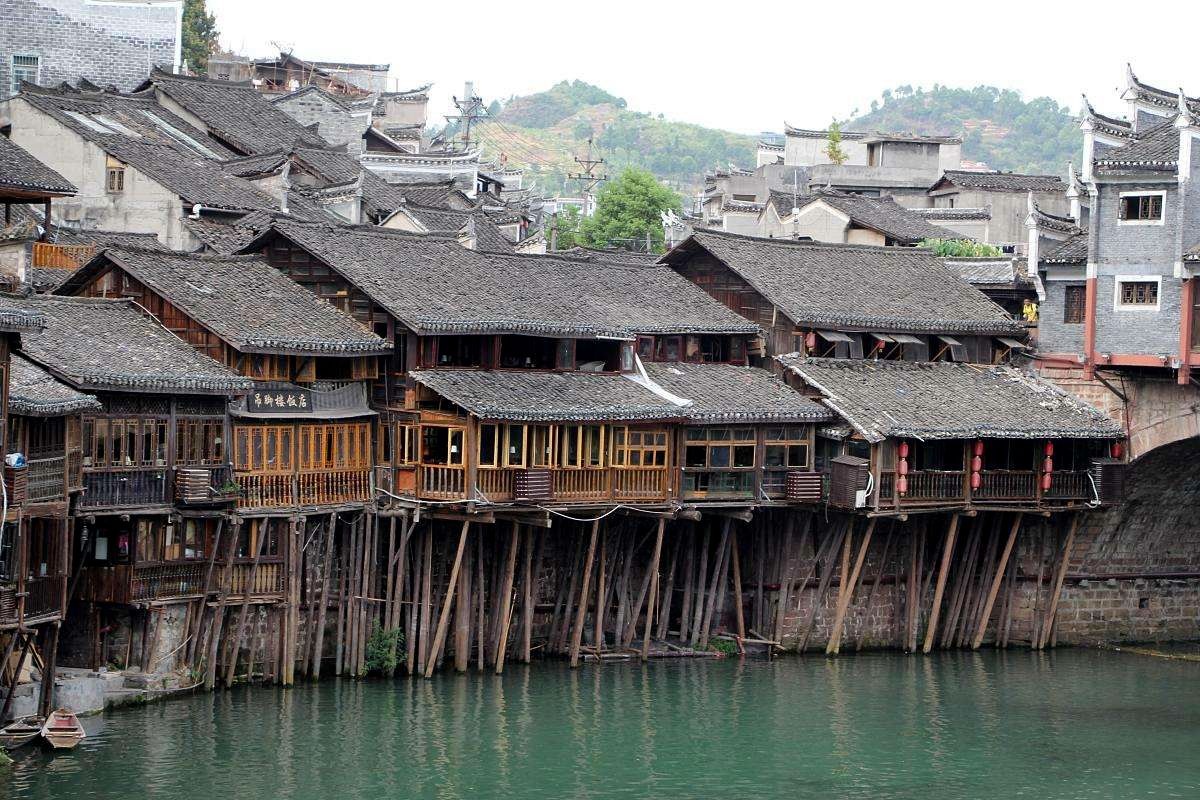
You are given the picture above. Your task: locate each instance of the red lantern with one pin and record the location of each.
(979, 447)
(810, 341)
(976, 464)
(1046, 480)
(902, 485)
(1117, 450)
(904, 449)
(976, 480)
(902, 467)
(1049, 448)
(1048, 466)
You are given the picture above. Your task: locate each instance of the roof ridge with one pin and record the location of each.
(811, 244)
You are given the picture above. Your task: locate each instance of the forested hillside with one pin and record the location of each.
(998, 126)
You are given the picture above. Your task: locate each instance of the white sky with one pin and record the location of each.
(744, 65)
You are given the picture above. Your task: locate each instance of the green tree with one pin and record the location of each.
(566, 225)
(199, 35)
(628, 209)
(961, 248)
(834, 147)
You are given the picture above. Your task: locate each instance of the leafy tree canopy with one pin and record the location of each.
(199, 35)
(627, 209)
(961, 248)
(566, 225)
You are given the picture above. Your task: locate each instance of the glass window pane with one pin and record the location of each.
(743, 456)
(718, 457)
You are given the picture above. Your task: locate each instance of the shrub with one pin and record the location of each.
(384, 650)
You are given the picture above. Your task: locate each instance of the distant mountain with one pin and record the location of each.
(998, 126)
(544, 132)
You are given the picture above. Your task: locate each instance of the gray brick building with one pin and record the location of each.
(109, 42)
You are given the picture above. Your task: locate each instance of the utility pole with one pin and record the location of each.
(470, 109)
(588, 176)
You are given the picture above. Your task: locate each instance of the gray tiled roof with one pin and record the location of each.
(1073, 251)
(529, 396)
(729, 393)
(17, 317)
(1001, 181)
(883, 399)
(1154, 149)
(445, 220)
(985, 271)
(242, 299)
(881, 214)
(878, 288)
(22, 172)
(112, 345)
(235, 113)
(435, 286)
(33, 392)
(953, 214)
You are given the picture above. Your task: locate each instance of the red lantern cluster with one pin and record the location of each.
(902, 469)
(1117, 449)
(977, 465)
(1048, 467)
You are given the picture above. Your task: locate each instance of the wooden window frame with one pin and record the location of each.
(451, 432)
(628, 440)
(787, 442)
(1149, 207)
(1124, 300)
(542, 446)
(1074, 304)
(697, 437)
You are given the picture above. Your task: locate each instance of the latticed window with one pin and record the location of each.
(1139, 293)
(1142, 207)
(24, 68)
(719, 448)
(1074, 302)
(633, 447)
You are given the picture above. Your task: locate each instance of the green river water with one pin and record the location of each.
(1069, 724)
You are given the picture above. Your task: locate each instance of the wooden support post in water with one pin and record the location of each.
(210, 675)
(737, 587)
(425, 653)
(601, 600)
(668, 595)
(12, 687)
(506, 596)
(835, 544)
(701, 580)
(326, 569)
(711, 601)
(463, 609)
(231, 668)
(1064, 560)
(943, 570)
(49, 665)
(834, 645)
(883, 563)
(658, 540)
(577, 630)
(531, 575)
(439, 637)
(207, 587)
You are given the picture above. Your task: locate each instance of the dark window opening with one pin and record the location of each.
(938, 456)
(530, 352)
(1145, 207)
(460, 351)
(597, 355)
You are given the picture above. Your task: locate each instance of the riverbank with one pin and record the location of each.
(1068, 724)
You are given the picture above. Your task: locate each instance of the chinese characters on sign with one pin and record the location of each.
(280, 401)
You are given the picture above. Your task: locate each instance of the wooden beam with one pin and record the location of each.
(322, 609)
(1060, 575)
(439, 637)
(506, 596)
(658, 540)
(737, 587)
(997, 579)
(834, 644)
(940, 588)
(577, 630)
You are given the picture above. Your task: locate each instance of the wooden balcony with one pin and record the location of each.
(168, 580)
(205, 486)
(46, 479)
(581, 485)
(268, 578)
(125, 488)
(568, 485)
(1006, 486)
(310, 488)
(924, 488)
(437, 482)
(44, 597)
(496, 485)
(61, 256)
(1070, 486)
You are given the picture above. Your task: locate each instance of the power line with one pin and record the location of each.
(470, 109)
(588, 177)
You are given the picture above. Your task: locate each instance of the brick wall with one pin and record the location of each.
(107, 43)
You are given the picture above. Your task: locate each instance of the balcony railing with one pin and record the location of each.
(581, 485)
(125, 488)
(46, 479)
(268, 578)
(1069, 485)
(442, 482)
(310, 488)
(1003, 485)
(635, 484)
(925, 487)
(496, 485)
(168, 580)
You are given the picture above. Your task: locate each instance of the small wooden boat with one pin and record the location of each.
(20, 732)
(62, 730)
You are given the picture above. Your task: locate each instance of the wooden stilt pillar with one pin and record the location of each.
(737, 587)
(231, 668)
(463, 610)
(210, 679)
(835, 544)
(25, 645)
(506, 597)
(720, 573)
(943, 571)
(439, 637)
(49, 665)
(701, 580)
(577, 630)
(883, 563)
(322, 609)
(997, 578)
(658, 540)
(1064, 560)
(668, 595)
(529, 573)
(834, 645)
(601, 599)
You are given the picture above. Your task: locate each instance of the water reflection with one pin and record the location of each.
(970, 725)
